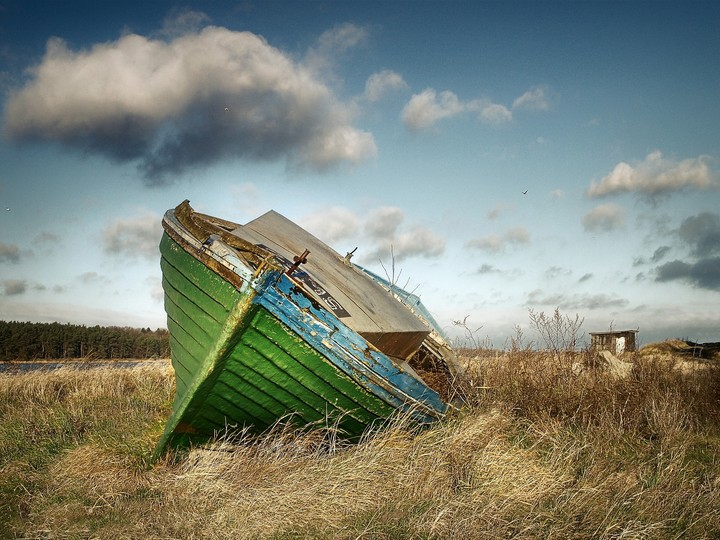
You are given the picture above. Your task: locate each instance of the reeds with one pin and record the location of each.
(537, 452)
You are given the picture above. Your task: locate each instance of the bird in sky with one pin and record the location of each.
(525, 192)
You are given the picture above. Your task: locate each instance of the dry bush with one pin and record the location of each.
(536, 384)
(560, 333)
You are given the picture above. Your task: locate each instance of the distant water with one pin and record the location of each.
(22, 367)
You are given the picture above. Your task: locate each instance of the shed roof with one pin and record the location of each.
(614, 333)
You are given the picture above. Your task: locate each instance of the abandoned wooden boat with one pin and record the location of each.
(266, 323)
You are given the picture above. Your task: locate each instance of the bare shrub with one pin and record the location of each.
(560, 333)
(471, 342)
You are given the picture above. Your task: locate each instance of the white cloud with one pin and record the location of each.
(384, 226)
(383, 222)
(378, 84)
(156, 290)
(189, 102)
(380, 234)
(425, 109)
(497, 243)
(134, 237)
(416, 242)
(606, 217)
(331, 225)
(492, 113)
(532, 99)
(656, 175)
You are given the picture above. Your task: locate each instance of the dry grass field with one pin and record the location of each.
(541, 449)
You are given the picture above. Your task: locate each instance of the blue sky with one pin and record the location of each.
(506, 155)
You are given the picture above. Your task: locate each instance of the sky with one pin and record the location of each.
(492, 157)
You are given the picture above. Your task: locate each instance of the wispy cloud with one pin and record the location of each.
(497, 243)
(47, 238)
(332, 44)
(660, 253)
(156, 290)
(9, 253)
(14, 287)
(604, 218)
(497, 210)
(87, 278)
(133, 237)
(335, 223)
(575, 301)
(188, 102)
(385, 234)
(657, 256)
(427, 108)
(534, 99)
(488, 269)
(379, 84)
(491, 113)
(394, 241)
(181, 21)
(656, 175)
(384, 222)
(557, 271)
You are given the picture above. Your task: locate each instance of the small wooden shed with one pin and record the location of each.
(616, 341)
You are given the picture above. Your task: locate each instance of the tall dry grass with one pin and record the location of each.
(48, 417)
(537, 452)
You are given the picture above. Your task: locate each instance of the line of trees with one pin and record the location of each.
(34, 341)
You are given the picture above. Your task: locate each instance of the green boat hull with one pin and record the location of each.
(237, 365)
(255, 340)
